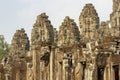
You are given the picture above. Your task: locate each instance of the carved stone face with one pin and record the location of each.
(20, 43)
(68, 33)
(89, 21)
(42, 30)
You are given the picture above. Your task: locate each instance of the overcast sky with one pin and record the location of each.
(17, 14)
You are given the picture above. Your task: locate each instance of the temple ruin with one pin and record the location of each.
(90, 51)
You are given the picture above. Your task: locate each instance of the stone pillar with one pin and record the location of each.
(2, 76)
(79, 72)
(67, 73)
(23, 70)
(52, 64)
(18, 75)
(72, 73)
(36, 64)
(60, 71)
(119, 71)
(86, 74)
(42, 70)
(14, 73)
(106, 73)
(95, 74)
(109, 72)
(118, 22)
(29, 71)
(64, 71)
(7, 77)
(23, 75)
(47, 73)
(112, 73)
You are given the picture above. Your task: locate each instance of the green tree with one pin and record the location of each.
(4, 47)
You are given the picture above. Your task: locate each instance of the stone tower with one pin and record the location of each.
(15, 66)
(116, 4)
(68, 50)
(115, 18)
(20, 44)
(42, 31)
(68, 33)
(89, 22)
(42, 38)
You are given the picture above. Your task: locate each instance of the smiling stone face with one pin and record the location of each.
(42, 31)
(20, 43)
(68, 33)
(89, 22)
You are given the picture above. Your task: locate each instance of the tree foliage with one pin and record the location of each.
(4, 47)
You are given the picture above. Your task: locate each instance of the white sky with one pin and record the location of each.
(17, 14)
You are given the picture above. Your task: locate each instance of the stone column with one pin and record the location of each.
(109, 72)
(60, 71)
(42, 70)
(86, 74)
(52, 64)
(2, 76)
(118, 22)
(64, 71)
(79, 72)
(112, 73)
(72, 73)
(23, 75)
(36, 64)
(119, 71)
(106, 73)
(29, 71)
(7, 77)
(23, 70)
(18, 75)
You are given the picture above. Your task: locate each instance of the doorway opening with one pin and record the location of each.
(100, 73)
(116, 71)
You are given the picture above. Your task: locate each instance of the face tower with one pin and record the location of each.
(42, 37)
(115, 18)
(89, 23)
